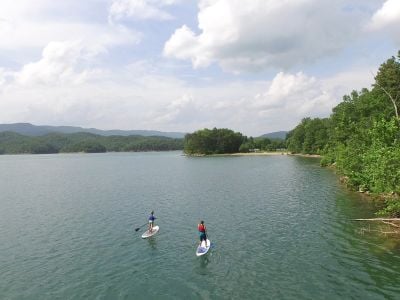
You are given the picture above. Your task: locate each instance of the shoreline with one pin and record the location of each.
(255, 154)
(305, 155)
(82, 152)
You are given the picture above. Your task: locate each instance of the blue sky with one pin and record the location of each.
(255, 66)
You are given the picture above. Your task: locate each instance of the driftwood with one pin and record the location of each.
(387, 221)
(380, 219)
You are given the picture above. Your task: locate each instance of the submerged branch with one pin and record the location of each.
(379, 219)
(381, 230)
(391, 224)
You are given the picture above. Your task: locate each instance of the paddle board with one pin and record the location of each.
(148, 234)
(202, 249)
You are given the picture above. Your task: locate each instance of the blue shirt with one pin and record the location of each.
(152, 218)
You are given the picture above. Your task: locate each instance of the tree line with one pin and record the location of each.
(361, 138)
(14, 143)
(222, 140)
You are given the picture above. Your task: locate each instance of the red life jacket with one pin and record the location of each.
(202, 228)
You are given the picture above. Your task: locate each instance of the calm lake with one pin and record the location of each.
(281, 229)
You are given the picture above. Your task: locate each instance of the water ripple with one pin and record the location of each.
(281, 229)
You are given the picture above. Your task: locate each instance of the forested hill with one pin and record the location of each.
(14, 143)
(280, 135)
(361, 137)
(38, 130)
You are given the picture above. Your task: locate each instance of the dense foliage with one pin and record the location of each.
(221, 141)
(215, 141)
(361, 137)
(309, 137)
(14, 143)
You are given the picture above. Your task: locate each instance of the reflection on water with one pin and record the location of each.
(202, 263)
(204, 260)
(152, 241)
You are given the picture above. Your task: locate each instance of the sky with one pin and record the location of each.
(254, 66)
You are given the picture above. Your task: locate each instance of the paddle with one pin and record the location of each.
(137, 229)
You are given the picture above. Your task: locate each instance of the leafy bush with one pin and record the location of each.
(392, 209)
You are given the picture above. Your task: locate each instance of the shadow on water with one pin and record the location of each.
(201, 267)
(203, 261)
(152, 241)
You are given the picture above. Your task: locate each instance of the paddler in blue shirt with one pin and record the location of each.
(151, 221)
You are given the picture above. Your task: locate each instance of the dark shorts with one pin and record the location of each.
(203, 237)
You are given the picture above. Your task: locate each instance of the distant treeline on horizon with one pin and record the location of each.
(204, 141)
(14, 143)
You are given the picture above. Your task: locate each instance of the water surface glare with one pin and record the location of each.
(281, 229)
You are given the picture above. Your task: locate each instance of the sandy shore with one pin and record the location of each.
(306, 155)
(272, 153)
(258, 153)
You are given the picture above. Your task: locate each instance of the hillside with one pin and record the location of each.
(280, 135)
(14, 143)
(39, 130)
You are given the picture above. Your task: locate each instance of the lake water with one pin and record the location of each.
(281, 229)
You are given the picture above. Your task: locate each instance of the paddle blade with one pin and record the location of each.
(137, 229)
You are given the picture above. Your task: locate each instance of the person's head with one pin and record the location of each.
(152, 212)
(202, 222)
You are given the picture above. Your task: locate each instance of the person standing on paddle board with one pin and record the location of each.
(202, 232)
(151, 221)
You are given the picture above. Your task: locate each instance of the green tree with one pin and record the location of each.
(362, 136)
(215, 141)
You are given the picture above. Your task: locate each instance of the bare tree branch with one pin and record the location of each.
(390, 97)
(380, 219)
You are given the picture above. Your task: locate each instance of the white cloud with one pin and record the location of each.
(31, 34)
(387, 19)
(300, 93)
(258, 34)
(135, 99)
(2, 77)
(183, 110)
(291, 97)
(60, 63)
(66, 79)
(387, 15)
(259, 107)
(63, 87)
(140, 9)
(33, 24)
(244, 107)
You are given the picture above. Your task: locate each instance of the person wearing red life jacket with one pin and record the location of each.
(202, 232)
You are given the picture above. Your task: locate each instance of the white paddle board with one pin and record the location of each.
(148, 234)
(202, 249)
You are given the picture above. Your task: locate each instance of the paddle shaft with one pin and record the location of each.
(137, 229)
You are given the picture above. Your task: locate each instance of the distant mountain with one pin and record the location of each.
(35, 130)
(281, 135)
